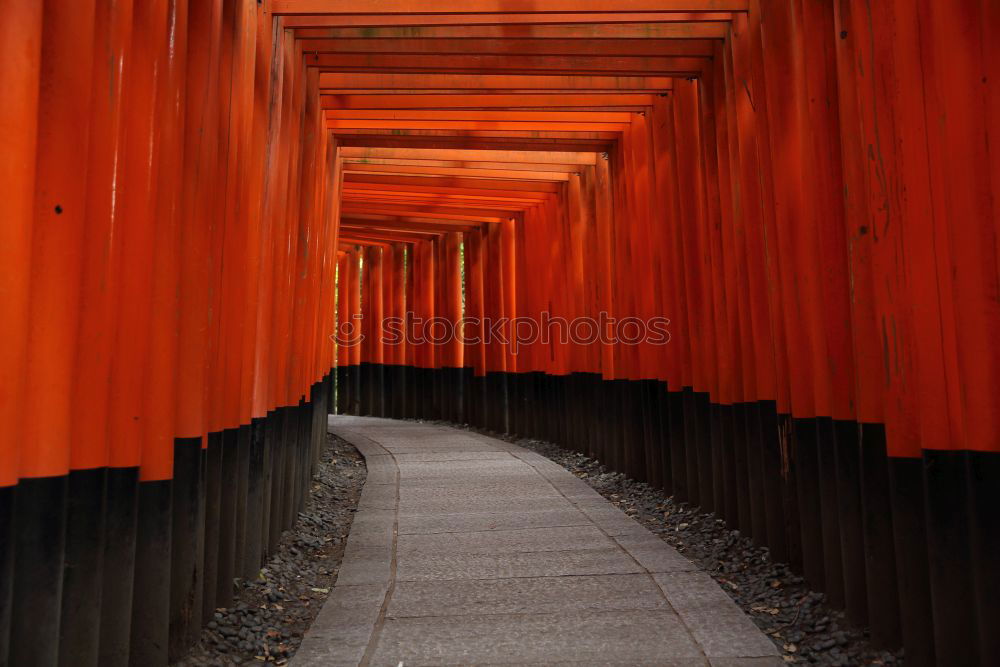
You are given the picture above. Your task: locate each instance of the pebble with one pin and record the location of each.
(270, 614)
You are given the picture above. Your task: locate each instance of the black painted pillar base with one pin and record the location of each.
(244, 437)
(909, 526)
(388, 390)
(458, 390)
(119, 558)
(479, 394)
(403, 389)
(690, 440)
(151, 591)
(39, 543)
(983, 473)
(674, 405)
(703, 445)
(807, 477)
(367, 386)
(378, 390)
(661, 404)
(341, 390)
(354, 373)
(252, 555)
(188, 529)
(80, 630)
(725, 481)
(746, 420)
(848, 476)
(6, 568)
(833, 565)
(227, 518)
(780, 492)
(267, 481)
(949, 557)
(213, 505)
(879, 549)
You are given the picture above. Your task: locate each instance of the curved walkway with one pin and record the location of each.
(470, 550)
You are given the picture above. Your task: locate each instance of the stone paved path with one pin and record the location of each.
(471, 550)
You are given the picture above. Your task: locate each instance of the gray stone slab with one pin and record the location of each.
(630, 636)
(378, 496)
(771, 661)
(478, 505)
(364, 444)
(612, 521)
(418, 473)
(343, 627)
(373, 463)
(441, 449)
(521, 490)
(661, 559)
(483, 521)
(462, 478)
(576, 489)
(657, 662)
(521, 540)
(382, 476)
(541, 595)
(446, 467)
(373, 518)
(373, 536)
(719, 626)
(365, 565)
(402, 458)
(417, 567)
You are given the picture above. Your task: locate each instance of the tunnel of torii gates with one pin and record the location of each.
(197, 196)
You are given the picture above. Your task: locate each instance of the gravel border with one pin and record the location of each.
(270, 614)
(795, 618)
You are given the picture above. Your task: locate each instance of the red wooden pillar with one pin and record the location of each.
(881, 562)
(342, 350)
(274, 213)
(493, 309)
(527, 297)
(452, 306)
(410, 299)
(132, 431)
(395, 339)
(200, 159)
(267, 124)
(372, 354)
(960, 173)
(306, 217)
(452, 311)
(474, 355)
(20, 67)
(52, 316)
(588, 334)
(424, 312)
(356, 332)
(152, 590)
(59, 214)
(113, 26)
(732, 430)
(95, 345)
(603, 269)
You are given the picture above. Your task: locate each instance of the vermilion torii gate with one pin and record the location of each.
(195, 195)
